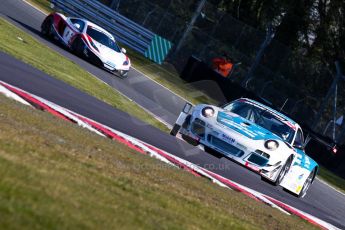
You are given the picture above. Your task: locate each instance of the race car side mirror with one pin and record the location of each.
(123, 50)
(187, 107)
(299, 146)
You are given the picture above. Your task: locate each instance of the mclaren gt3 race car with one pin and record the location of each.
(253, 135)
(87, 40)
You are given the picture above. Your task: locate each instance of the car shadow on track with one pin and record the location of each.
(38, 33)
(33, 30)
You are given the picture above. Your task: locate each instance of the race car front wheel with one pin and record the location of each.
(283, 171)
(190, 140)
(175, 130)
(307, 184)
(123, 73)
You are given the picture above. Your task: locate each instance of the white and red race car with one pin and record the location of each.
(87, 40)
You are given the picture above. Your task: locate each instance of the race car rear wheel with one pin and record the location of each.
(175, 130)
(46, 27)
(307, 184)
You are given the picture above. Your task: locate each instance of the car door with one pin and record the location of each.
(68, 34)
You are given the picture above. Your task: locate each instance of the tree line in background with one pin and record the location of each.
(313, 30)
(315, 26)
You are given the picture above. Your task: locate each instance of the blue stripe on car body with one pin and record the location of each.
(304, 161)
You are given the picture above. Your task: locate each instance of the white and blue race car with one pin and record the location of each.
(253, 135)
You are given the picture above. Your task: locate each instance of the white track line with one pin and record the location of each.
(33, 6)
(10, 94)
(146, 110)
(162, 86)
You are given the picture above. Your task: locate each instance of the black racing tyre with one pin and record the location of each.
(77, 46)
(186, 122)
(46, 27)
(284, 170)
(307, 184)
(190, 140)
(123, 73)
(175, 130)
(213, 152)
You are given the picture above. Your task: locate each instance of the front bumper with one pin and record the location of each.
(110, 66)
(230, 145)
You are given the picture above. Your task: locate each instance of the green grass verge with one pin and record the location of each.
(332, 179)
(55, 175)
(165, 74)
(47, 60)
(43, 5)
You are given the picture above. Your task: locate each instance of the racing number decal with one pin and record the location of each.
(304, 162)
(68, 33)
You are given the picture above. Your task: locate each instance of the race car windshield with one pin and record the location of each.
(264, 118)
(103, 39)
(78, 24)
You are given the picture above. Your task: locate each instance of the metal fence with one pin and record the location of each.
(283, 77)
(162, 17)
(125, 30)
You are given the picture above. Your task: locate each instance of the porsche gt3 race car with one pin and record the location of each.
(253, 135)
(87, 40)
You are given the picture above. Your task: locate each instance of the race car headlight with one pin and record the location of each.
(207, 112)
(271, 145)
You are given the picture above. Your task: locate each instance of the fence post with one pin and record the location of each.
(328, 95)
(269, 36)
(190, 25)
(115, 4)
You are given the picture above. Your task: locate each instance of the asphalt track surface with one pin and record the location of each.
(321, 200)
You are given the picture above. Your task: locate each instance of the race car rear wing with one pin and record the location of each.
(330, 144)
